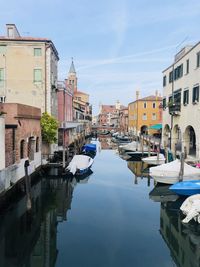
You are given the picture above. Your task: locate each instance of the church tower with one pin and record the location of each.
(72, 79)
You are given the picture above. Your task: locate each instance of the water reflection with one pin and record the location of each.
(29, 238)
(106, 143)
(183, 240)
(161, 193)
(140, 171)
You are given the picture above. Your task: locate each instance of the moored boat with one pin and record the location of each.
(186, 188)
(169, 173)
(155, 160)
(80, 164)
(138, 155)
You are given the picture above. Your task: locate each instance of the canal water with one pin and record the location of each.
(114, 217)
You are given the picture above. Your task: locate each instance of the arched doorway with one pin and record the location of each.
(177, 140)
(166, 136)
(144, 129)
(190, 141)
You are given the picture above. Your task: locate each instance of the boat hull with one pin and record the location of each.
(187, 188)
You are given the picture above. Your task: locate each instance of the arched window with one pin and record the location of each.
(37, 144)
(31, 148)
(22, 146)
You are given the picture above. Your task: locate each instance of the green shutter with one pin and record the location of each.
(37, 52)
(2, 49)
(37, 75)
(1, 77)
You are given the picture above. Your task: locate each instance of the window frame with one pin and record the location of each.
(37, 49)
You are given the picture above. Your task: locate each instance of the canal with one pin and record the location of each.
(113, 217)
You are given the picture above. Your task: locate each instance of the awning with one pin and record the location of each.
(69, 125)
(156, 126)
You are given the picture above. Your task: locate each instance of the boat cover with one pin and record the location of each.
(79, 162)
(90, 147)
(155, 159)
(172, 169)
(191, 208)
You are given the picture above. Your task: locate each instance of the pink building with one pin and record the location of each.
(65, 114)
(123, 119)
(106, 112)
(65, 102)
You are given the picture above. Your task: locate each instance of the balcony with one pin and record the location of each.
(175, 109)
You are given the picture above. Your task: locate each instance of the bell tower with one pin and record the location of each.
(72, 79)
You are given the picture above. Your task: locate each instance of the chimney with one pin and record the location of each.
(156, 93)
(12, 31)
(137, 94)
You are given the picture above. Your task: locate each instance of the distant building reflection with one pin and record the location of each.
(139, 169)
(29, 238)
(106, 143)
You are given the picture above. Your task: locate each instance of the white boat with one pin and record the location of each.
(80, 164)
(132, 147)
(129, 147)
(191, 208)
(169, 173)
(155, 160)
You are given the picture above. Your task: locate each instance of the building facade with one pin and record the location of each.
(143, 113)
(28, 71)
(181, 81)
(123, 120)
(109, 115)
(22, 142)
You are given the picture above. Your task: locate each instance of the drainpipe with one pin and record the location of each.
(170, 144)
(45, 74)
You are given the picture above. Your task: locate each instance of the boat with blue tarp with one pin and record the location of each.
(186, 188)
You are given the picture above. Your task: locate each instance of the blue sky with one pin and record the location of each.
(118, 46)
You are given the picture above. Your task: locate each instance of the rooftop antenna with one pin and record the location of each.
(186, 38)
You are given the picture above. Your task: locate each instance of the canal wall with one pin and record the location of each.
(2, 142)
(14, 173)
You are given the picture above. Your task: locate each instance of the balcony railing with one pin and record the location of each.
(175, 108)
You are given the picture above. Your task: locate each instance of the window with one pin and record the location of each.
(154, 116)
(22, 145)
(145, 105)
(177, 96)
(2, 49)
(164, 103)
(37, 52)
(187, 66)
(144, 117)
(186, 97)
(171, 77)
(2, 99)
(195, 95)
(154, 105)
(1, 77)
(198, 59)
(178, 72)
(37, 145)
(164, 81)
(37, 75)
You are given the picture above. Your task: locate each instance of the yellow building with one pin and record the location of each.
(144, 113)
(28, 71)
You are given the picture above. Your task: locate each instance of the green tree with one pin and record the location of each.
(49, 127)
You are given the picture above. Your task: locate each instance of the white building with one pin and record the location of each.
(181, 107)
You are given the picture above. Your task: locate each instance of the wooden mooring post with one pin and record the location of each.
(181, 173)
(28, 185)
